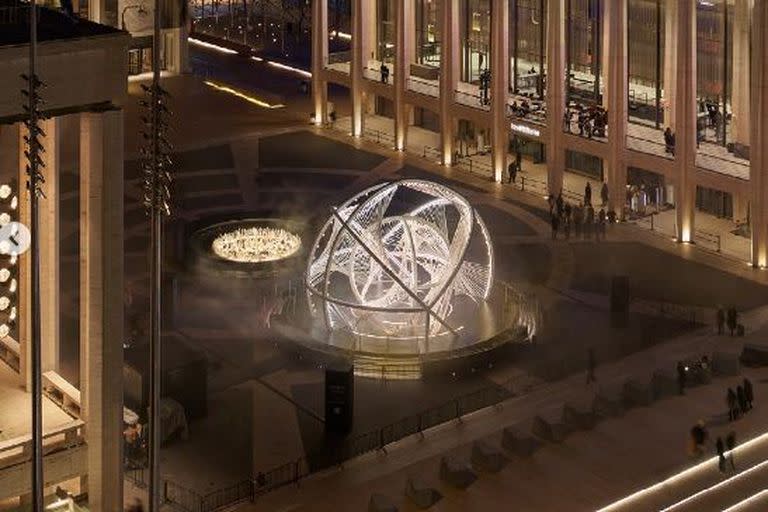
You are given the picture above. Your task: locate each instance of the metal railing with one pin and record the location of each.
(379, 137)
(432, 153)
(651, 147)
(472, 100)
(19, 449)
(422, 86)
(376, 440)
(339, 57)
(712, 240)
(476, 167)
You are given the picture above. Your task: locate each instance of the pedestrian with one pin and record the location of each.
(591, 366)
(741, 399)
(555, 225)
(551, 201)
(730, 398)
(601, 220)
(559, 204)
(748, 393)
(699, 436)
(511, 172)
(604, 194)
(588, 194)
(589, 223)
(384, 71)
(578, 217)
(567, 221)
(720, 320)
(732, 319)
(730, 444)
(720, 447)
(681, 377)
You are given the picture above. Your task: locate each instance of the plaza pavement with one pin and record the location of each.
(519, 205)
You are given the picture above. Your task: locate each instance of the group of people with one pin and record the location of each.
(699, 438)
(591, 120)
(485, 87)
(729, 318)
(740, 401)
(582, 218)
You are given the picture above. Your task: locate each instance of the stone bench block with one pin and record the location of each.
(549, 430)
(579, 417)
(726, 364)
(664, 384)
(381, 503)
(456, 473)
(487, 457)
(608, 406)
(754, 355)
(637, 393)
(420, 493)
(519, 443)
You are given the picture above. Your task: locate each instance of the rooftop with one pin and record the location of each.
(52, 25)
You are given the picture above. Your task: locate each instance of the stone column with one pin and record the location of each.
(449, 75)
(101, 303)
(50, 239)
(670, 61)
(740, 106)
(758, 175)
(404, 19)
(685, 120)
(24, 263)
(616, 102)
(499, 86)
(555, 95)
(360, 55)
(319, 59)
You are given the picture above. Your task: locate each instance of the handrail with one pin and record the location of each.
(19, 448)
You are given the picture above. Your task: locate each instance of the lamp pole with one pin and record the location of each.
(34, 181)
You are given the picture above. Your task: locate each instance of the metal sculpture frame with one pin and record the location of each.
(415, 261)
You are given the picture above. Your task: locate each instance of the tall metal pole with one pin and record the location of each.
(725, 74)
(658, 64)
(33, 186)
(156, 234)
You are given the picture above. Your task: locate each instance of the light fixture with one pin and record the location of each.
(5, 191)
(4, 303)
(5, 274)
(4, 330)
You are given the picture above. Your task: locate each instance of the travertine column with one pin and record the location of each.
(50, 212)
(499, 86)
(361, 10)
(670, 61)
(759, 141)
(450, 60)
(404, 26)
(616, 102)
(101, 303)
(555, 94)
(685, 120)
(24, 309)
(740, 107)
(319, 59)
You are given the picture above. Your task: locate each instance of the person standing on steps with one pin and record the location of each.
(720, 447)
(731, 401)
(587, 194)
(748, 393)
(730, 443)
(604, 195)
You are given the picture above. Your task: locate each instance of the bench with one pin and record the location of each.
(579, 417)
(607, 404)
(487, 457)
(549, 429)
(456, 473)
(518, 442)
(421, 494)
(381, 503)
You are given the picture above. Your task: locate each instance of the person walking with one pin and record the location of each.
(578, 217)
(732, 319)
(591, 366)
(589, 223)
(604, 195)
(720, 320)
(730, 444)
(559, 204)
(555, 224)
(511, 172)
(601, 221)
(567, 219)
(720, 447)
(588, 194)
(730, 399)
(681, 378)
(741, 400)
(748, 393)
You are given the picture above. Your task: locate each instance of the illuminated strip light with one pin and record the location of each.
(747, 502)
(211, 46)
(718, 485)
(257, 59)
(680, 476)
(524, 129)
(290, 68)
(249, 99)
(341, 35)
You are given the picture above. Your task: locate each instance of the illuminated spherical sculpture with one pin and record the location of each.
(256, 244)
(393, 261)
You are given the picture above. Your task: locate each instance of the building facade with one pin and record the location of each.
(665, 97)
(84, 68)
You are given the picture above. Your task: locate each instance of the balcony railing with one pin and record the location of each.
(19, 449)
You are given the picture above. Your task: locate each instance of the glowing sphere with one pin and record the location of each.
(393, 261)
(256, 244)
(4, 330)
(5, 191)
(4, 303)
(4, 274)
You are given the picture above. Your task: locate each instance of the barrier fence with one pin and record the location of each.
(292, 472)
